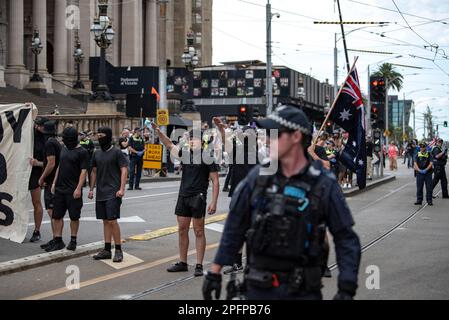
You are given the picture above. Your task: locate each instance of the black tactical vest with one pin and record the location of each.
(288, 221)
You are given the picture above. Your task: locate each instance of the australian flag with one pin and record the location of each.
(349, 113)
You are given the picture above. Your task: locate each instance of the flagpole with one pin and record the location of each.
(334, 102)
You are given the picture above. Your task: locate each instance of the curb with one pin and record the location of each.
(369, 186)
(42, 259)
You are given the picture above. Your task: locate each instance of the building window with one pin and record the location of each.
(197, 18)
(197, 3)
(198, 53)
(198, 37)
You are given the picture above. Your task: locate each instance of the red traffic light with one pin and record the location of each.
(328, 123)
(375, 83)
(242, 109)
(374, 109)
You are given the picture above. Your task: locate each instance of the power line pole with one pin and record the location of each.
(335, 66)
(269, 87)
(163, 65)
(343, 37)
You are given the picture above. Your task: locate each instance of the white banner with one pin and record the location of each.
(16, 150)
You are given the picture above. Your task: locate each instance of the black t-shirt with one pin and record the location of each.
(195, 177)
(70, 165)
(369, 149)
(108, 164)
(39, 146)
(321, 153)
(439, 162)
(52, 148)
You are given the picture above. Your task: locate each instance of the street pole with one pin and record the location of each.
(414, 123)
(386, 112)
(343, 37)
(163, 68)
(269, 87)
(368, 107)
(335, 67)
(403, 119)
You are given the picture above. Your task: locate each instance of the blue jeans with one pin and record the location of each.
(135, 170)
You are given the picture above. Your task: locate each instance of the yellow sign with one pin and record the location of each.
(387, 133)
(152, 159)
(163, 117)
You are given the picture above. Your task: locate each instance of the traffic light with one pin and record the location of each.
(445, 124)
(243, 118)
(377, 116)
(377, 140)
(329, 127)
(377, 89)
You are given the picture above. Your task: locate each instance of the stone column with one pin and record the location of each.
(16, 74)
(116, 24)
(170, 39)
(130, 52)
(60, 48)
(85, 38)
(40, 24)
(151, 33)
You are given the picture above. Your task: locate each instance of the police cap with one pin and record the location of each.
(286, 117)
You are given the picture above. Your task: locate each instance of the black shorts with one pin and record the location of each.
(48, 198)
(36, 173)
(192, 207)
(108, 209)
(65, 202)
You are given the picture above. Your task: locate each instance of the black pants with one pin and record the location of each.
(422, 179)
(228, 178)
(135, 170)
(440, 175)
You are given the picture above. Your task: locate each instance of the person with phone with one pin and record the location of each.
(192, 200)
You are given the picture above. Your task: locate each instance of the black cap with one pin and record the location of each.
(286, 117)
(50, 127)
(40, 121)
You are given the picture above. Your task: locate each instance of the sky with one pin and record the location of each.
(420, 36)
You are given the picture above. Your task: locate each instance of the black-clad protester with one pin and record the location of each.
(51, 163)
(109, 173)
(37, 162)
(87, 144)
(136, 150)
(68, 188)
(423, 170)
(439, 155)
(283, 220)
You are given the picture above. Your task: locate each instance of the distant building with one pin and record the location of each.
(396, 111)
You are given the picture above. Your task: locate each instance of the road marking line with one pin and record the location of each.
(218, 227)
(114, 275)
(133, 219)
(128, 261)
(171, 230)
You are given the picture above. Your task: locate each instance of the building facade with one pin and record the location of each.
(397, 113)
(137, 25)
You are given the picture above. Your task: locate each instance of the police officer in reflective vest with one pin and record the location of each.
(136, 151)
(283, 219)
(439, 155)
(423, 170)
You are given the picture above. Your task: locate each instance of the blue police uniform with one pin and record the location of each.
(423, 160)
(337, 217)
(136, 161)
(440, 170)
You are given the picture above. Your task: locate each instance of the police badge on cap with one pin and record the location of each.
(286, 117)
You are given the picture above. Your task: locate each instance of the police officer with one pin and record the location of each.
(439, 155)
(283, 219)
(87, 144)
(423, 170)
(136, 151)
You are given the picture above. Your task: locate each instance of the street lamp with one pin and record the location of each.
(36, 49)
(189, 57)
(103, 35)
(269, 74)
(79, 58)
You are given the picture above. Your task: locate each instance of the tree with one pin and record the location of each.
(388, 71)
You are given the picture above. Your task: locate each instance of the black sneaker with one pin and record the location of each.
(48, 244)
(118, 256)
(198, 270)
(56, 246)
(234, 269)
(130, 188)
(36, 236)
(178, 267)
(418, 203)
(430, 203)
(138, 188)
(103, 255)
(71, 246)
(225, 189)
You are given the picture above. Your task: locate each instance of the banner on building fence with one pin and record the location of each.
(16, 150)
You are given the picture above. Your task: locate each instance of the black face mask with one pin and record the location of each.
(106, 141)
(70, 138)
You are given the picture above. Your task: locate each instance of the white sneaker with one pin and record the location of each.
(345, 185)
(349, 186)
